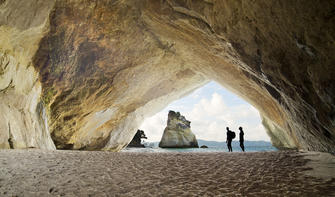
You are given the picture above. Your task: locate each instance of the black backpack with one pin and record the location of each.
(232, 134)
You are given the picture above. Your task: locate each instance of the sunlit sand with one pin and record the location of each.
(80, 173)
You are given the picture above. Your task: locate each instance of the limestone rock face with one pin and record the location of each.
(23, 118)
(177, 133)
(70, 69)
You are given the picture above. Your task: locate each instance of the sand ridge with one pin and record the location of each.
(82, 173)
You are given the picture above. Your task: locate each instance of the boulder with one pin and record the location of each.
(177, 133)
(203, 146)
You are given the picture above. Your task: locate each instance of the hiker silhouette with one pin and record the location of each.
(241, 138)
(230, 137)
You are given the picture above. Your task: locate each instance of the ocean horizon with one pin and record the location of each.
(213, 146)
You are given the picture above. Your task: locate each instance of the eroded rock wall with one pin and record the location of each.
(103, 70)
(288, 48)
(23, 120)
(106, 65)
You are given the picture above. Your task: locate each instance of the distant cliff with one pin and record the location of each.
(177, 133)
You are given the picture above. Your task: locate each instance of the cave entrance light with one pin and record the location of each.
(210, 109)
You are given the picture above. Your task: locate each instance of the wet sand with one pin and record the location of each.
(80, 173)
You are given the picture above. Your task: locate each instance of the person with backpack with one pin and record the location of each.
(241, 138)
(230, 136)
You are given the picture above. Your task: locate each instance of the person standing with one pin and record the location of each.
(241, 138)
(229, 139)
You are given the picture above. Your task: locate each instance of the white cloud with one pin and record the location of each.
(154, 126)
(209, 118)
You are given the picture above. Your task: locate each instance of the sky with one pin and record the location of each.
(210, 109)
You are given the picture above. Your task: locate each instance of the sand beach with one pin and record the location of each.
(35, 172)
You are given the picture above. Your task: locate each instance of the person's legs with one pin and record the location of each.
(242, 146)
(229, 147)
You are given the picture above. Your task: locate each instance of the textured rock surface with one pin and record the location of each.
(23, 121)
(84, 60)
(177, 133)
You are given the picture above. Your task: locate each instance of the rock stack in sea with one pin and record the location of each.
(136, 141)
(177, 133)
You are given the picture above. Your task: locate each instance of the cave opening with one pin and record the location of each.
(210, 108)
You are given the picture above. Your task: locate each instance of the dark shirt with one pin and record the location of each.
(229, 136)
(241, 137)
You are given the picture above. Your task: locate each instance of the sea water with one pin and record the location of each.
(249, 146)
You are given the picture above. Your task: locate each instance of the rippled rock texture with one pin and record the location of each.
(177, 133)
(96, 69)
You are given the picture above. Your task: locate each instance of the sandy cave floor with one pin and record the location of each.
(81, 173)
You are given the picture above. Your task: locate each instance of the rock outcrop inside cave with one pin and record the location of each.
(69, 70)
(177, 133)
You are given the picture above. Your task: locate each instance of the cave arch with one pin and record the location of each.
(103, 66)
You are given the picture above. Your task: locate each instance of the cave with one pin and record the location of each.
(84, 74)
